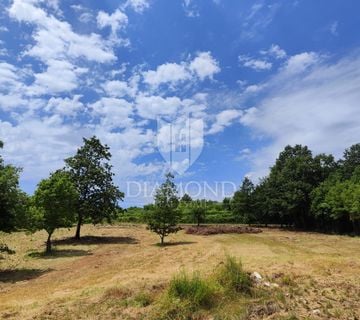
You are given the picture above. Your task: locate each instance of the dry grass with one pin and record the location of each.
(118, 272)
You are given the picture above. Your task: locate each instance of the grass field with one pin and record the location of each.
(118, 272)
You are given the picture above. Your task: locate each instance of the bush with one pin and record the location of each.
(232, 277)
(193, 289)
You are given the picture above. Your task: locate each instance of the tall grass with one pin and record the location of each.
(192, 288)
(190, 296)
(232, 277)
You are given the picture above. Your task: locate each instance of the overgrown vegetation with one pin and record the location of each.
(232, 277)
(191, 296)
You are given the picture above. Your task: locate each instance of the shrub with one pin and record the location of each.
(232, 277)
(193, 289)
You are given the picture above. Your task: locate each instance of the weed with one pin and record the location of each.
(192, 289)
(232, 277)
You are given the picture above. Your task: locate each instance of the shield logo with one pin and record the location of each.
(180, 141)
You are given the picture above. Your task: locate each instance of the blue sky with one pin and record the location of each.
(253, 75)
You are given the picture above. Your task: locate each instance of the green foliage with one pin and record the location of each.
(190, 296)
(192, 289)
(163, 217)
(131, 214)
(198, 212)
(242, 203)
(92, 176)
(186, 198)
(232, 277)
(54, 207)
(12, 199)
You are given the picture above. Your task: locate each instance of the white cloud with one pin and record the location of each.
(39, 145)
(116, 88)
(319, 108)
(256, 64)
(117, 20)
(55, 39)
(60, 76)
(150, 107)
(302, 61)
(65, 106)
(223, 120)
(275, 51)
(114, 113)
(8, 75)
(204, 65)
(166, 73)
(138, 6)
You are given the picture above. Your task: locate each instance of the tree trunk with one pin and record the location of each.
(48, 244)
(78, 227)
(162, 239)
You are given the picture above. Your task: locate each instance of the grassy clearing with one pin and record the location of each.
(118, 272)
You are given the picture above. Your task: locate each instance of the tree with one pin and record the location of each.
(242, 202)
(293, 177)
(92, 176)
(11, 197)
(186, 198)
(350, 161)
(198, 211)
(54, 206)
(226, 203)
(163, 217)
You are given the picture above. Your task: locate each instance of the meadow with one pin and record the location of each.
(120, 272)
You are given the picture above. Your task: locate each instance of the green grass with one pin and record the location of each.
(190, 296)
(232, 277)
(192, 288)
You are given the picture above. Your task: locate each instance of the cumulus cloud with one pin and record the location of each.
(65, 106)
(116, 21)
(113, 112)
(55, 39)
(150, 107)
(201, 67)
(204, 65)
(60, 76)
(117, 88)
(166, 73)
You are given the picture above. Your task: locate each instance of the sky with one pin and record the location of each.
(234, 80)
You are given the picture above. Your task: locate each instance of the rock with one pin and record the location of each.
(256, 276)
(267, 284)
(316, 312)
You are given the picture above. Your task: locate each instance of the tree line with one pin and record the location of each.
(302, 190)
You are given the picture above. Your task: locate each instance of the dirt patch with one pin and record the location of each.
(220, 229)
